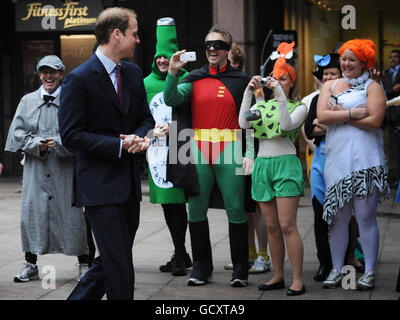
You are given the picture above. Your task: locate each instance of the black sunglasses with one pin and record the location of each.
(217, 45)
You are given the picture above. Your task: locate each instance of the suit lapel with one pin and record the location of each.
(105, 82)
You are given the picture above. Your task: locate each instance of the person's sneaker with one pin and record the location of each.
(83, 268)
(28, 273)
(260, 266)
(168, 266)
(228, 266)
(366, 282)
(178, 266)
(333, 281)
(239, 283)
(198, 282)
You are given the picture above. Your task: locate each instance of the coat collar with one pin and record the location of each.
(104, 80)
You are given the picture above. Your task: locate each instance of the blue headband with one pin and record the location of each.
(322, 61)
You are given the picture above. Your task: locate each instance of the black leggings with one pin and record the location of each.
(32, 258)
(176, 218)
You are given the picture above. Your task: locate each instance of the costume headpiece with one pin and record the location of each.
(328, 61)
(283, 52)
(167, 42)
(364, 49)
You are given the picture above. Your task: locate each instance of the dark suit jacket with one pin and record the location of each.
(91, 119)
(388, 84)
(392, 117)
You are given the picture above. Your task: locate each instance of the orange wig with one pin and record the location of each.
(364, 49)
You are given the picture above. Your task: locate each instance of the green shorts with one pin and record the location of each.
(277, 177)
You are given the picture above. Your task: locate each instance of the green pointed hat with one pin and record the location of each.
(167, 42)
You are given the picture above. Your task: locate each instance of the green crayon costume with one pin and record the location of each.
(172, 199)
(161, 191)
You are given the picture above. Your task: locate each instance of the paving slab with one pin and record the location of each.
(153, 247)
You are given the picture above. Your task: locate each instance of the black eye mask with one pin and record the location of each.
(217, 45)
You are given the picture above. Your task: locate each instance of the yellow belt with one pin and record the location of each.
(215, 135)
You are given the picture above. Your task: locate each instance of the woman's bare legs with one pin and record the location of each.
(275, 238)
(287, 212)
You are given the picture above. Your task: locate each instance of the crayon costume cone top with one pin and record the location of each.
(167, 45)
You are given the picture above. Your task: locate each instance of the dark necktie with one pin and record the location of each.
(393, 73)
(119, 85)
(48, 98)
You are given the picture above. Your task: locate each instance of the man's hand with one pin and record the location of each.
(133, 143)
(50, 143)
(161, 130)
(247, 166)
(43, 146)
(175, 63)
(145, 144)
(1, 168)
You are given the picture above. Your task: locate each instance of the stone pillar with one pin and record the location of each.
(237, 16)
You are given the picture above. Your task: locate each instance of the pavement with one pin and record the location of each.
(153, 247)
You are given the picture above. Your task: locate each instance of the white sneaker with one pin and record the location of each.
(260, 266)
(28, 273)
(197, 282)
(83, 268)
(334, 280)
(366, 282)
(239, 283)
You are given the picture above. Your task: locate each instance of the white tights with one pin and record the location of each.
(365, 213)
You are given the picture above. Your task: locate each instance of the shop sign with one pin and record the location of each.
(55, 15)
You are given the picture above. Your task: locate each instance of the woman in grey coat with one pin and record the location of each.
(49, 223)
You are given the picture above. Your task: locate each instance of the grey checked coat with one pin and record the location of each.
(49, 223)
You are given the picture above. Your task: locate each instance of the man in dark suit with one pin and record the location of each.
(104, 117)
(391, 84)
(391, 77)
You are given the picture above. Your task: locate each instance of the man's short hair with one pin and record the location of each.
(111, 19)
(224, 32)
(395, 51)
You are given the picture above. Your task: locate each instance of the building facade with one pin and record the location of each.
(256, 25)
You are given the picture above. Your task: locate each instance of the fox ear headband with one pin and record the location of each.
(283, 52)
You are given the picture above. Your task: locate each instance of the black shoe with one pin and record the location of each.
(273, 286)
(168, 266)
(292, 292)
(322, 273)
(178, 265)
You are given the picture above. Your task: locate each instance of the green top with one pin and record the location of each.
(174, 94)
(268, 126)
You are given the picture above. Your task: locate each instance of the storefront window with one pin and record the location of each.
(76, 49)
(32, 52)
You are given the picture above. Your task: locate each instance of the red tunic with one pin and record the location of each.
(213, 106)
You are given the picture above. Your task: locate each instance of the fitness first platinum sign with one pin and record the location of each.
(33, 16)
